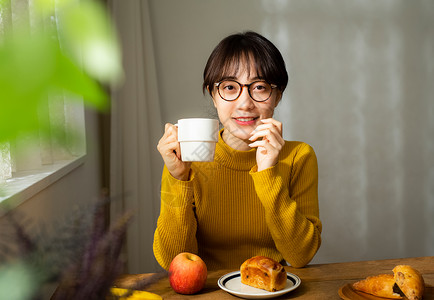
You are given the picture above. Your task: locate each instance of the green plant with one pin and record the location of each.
(66, 46)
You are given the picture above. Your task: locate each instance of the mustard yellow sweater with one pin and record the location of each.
(228, 212)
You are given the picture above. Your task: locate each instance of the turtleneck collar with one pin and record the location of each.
(234, 159)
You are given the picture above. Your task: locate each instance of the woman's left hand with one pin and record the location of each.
(269, 147)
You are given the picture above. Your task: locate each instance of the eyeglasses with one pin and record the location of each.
(230, 90)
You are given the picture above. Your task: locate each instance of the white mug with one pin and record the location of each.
(197, 138)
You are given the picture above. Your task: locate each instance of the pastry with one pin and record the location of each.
(405, 282)
(263, 273)
(380, 285)
(410, 281)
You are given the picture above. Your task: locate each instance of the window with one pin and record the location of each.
(50, 52)
(30, 163)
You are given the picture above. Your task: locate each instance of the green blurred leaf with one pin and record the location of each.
(27, 65)
(86, 30)
(71, 78)
(31, 68)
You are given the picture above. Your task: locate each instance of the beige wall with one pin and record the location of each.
(360, 92)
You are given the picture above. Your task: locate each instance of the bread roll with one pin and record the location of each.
(263, 273)
(380, 285)
(410, 281)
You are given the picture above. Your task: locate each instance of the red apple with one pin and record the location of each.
(187, 273)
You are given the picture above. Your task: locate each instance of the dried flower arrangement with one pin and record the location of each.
(82, 254)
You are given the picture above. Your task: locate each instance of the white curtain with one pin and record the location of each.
(135, 165)
(5, 162)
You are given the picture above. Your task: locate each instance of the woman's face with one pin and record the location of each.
(242, 116)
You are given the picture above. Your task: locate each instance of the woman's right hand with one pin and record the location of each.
(168, 146)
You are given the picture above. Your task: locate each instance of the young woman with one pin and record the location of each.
(260, 194)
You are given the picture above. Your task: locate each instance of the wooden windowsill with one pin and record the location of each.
(24, 185)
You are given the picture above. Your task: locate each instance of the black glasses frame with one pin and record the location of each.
(273, 86)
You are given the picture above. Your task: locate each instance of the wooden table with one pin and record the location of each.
(319, 281)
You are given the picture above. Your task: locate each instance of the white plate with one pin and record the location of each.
(231, 283)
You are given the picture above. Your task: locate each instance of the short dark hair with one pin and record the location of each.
(227, 56)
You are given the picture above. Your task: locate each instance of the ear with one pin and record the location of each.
(212, 97)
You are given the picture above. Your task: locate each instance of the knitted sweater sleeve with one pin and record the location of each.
(291, 208)
(176, 225)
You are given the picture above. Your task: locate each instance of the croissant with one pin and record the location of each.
(405, 281)
(380, 285)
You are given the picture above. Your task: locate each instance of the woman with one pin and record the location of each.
(259, 195)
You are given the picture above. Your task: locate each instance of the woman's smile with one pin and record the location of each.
(246, 121)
